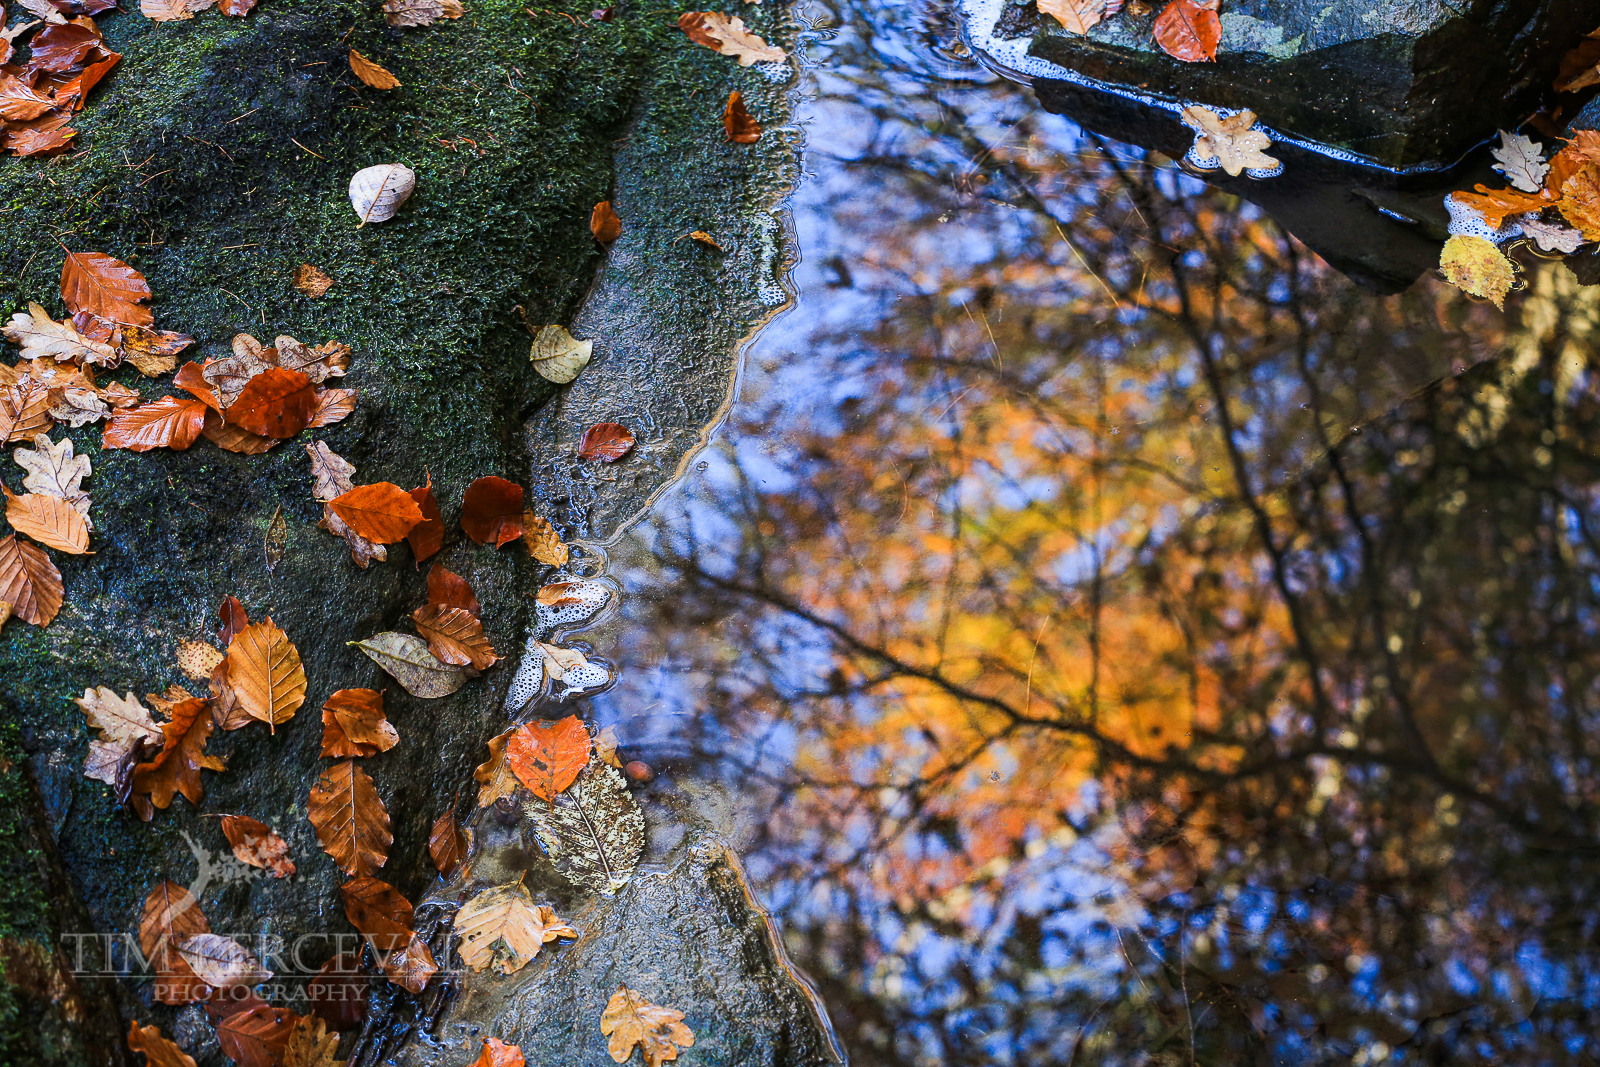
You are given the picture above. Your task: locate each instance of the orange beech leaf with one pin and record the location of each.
(547, 759)
(427, 536)
(39, 142)
(18, 102)
(382, 512)
(234, 619)
(378, 911)
(496, 1053)
(494, 774)
(176, 768)
(353, 724)
(447, 842)
(29, 581)
(254, 843)
(736, 121)
(274, 403)
(1580, 202)
(158, 1049)
(231, 438)
(351, 821)
(171, 916)
(100, 285)
(256, 1036)
(166, 423)
(1495, 204)
(236, 8)
(25, 410)
(449, 590)
(190, 379)
(604, 223)
(332, 406)
(265, 672)
(412, 966)
(491, 511)
(1189, 30)
(606, 441)
(454, 635)
(372, 73)
(49, 520)
(338, 993)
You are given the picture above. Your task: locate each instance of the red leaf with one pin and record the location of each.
(275, 403)
(94, 282)
(1189, 30)
(62, 48)
(605, 441)
(382, 512)
(236, 7)
(427, 536)
(491, 511)
(338, 993)
(190, 379)
(234, 619)
(170, 422)
(256, 1037)
(449, 590)
(740, 127)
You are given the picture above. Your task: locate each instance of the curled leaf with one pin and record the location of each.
(254, 843)
(427, 536)
(557, 356)
(353, 724)
(737, 123)
(311, 280)
(376, 193)
(604, 223)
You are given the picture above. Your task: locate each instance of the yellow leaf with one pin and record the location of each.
(631, 1020)
(1477, 267)
(265, 672)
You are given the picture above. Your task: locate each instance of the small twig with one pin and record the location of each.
(156, 175)
(230, 248)
(303, 148)
(236, 118)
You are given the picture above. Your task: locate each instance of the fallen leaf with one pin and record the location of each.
(38, 143)
(125, 728)
(604, 223)
(427, 536)
(557, 356)
(547, 759)
(234, 619)
(351, 821)
(310, 1044)
(412, 967)
(330, 472)
(447, 589)
(338, 993)
(605, 746)
(729, 37)
(50, 520)
(1188, 31)
(1229, 143)
(353, 724)
(29, 581)
(1495, 204)
(254, 843)
(558, 661)
(1580, 202)
(275, 540)
(232, 438)
(705, 238)
(1580, 67)
(491, 511)
(169, 422)
(496, 1053)
(378, 912)
(25, 410)
(42, 337)
(230, 374)
(593, 832)
(630, 1020)
(236, 8)
(1075, 16)
(332, 405)
(197, 660)
(170, 916)
(605, 441)
(159, 1051)
(100, 285)
(311, 280)
(225, 709)
(43, 9)
(176, 768)
(1551, 237)
(381, 512)
(408, 661)
(544, 544)
(1521, 160)
(221, 962)
(54, 471)
(447, 843)
(275, 403)
(737, 123)
(494, 775)
(420, 12)
(257, 1036)
(18, 102)
(1478, 267)
(376, 193)
(371, 73)
(454, 636)
(265, 672)
(152, 352)
(502, 928)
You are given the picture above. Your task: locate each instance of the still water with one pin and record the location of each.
(1112, 636)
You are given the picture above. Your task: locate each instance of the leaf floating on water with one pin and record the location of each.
(158, 1049)
(265, 672)
(1521, 160)
(548, 759)
(372, 73)
(351, 821)
(420, 12)
(606, 441)
(1229, 143)
(491, 511)
(630, 1020)
(559, 661)
(729, 37)
(1075, 16)
(544, 544)
(1477, 267)
(50, 520)
(254, 843)
(605, 746)
(100, 285)
(353, 724)
(503, 928)
(604, 223)
(29, 581)
(594, 831)
(737, 123)
(557, 356)
(1189, 30)
(496, 1053)
(408, 661)
(311, 280)
(376, 193)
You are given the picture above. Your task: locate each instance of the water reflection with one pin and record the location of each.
(1117, 649)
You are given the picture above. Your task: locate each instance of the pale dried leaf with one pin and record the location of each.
(408, 661)
(1229, 143)
(55, 471)
(593, 831)
(1521, 160)
(222, 962)
(729, 37)
(1550, 236)
(420, 12)
(197, 660)
(557, 356)
(503, 928)
(42, 337)
(330, 472)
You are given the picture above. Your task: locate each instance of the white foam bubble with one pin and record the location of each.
(587, 599)
(1466, 221)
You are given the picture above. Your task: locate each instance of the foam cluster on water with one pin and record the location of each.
(589, 599)
(583, 679)
(525, 684)
(1466, 221)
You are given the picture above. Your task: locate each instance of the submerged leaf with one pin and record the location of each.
(606, 441)
(594, 831)
(631, 1020)
(503, 928)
